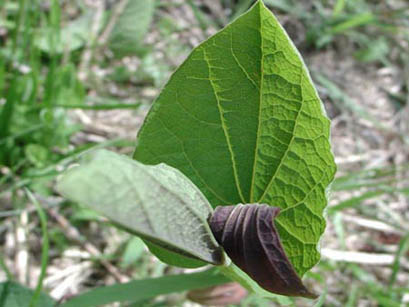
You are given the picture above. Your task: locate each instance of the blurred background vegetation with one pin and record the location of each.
(82, 74)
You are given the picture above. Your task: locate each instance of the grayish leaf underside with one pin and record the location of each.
(157, 202)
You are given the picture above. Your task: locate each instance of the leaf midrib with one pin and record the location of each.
(191, 164)
(283, 157)
(259, 112)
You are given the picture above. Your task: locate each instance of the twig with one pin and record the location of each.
(359, 257)
(21, 260)
(28, 209)
(73, 234)
(371, 224)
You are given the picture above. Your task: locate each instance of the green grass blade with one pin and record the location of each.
(373, 177)
(99, 106)
(54, 38)
(339, 229)
(21, 133)
(20, 20)
(44, 248)
(5, 268)
(353, 22)
(321, 300)
(147, 288)
(2, 75)
(8, 109)
(357, 200)
(403, 248)
(338, 7)
(354, 201)
(353, 296)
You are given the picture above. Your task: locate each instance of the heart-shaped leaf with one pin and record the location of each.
(242, 119)
(157, 203)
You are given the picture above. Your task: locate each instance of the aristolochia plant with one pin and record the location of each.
(239, 127)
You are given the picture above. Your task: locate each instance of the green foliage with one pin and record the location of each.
(72, 37)
(242, 120)
(374, 50)
(15, 295)
(267, 142)
(157, 203)
(38, 83)
(132, 252)
(30, 125)
(172, 257)
(367, 26)
(131, 26)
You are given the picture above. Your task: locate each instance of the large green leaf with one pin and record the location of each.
(242, 119)
(157, 203)
(13, 294)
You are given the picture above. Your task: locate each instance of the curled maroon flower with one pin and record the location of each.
(249, 237)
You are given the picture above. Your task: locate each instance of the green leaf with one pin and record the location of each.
(13, 294)
(36, 154)
(133, 252)
(73, 36)
(172, 258)
(157, 203)
(138, 290)
(376, 50)
(242, 119)
(131, 26)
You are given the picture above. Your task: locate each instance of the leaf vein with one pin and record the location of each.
(284, 156)
(239, 64)
(190, 163)
(226, 134)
